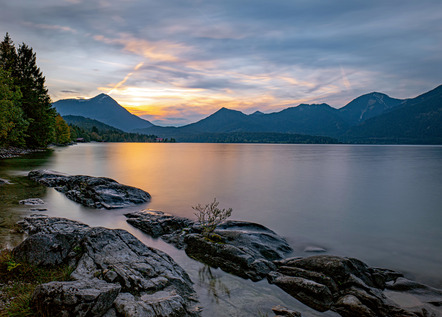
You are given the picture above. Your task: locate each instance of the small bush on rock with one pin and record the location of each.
(210, 216)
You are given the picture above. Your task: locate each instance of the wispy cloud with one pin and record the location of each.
(186, 58)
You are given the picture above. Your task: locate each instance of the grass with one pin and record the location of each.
(18, 281)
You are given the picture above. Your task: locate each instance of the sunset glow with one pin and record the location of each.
(175, 62)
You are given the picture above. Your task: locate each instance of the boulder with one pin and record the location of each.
(242, 248)
(93, 192)
(344, 285)
(114, 274)
(157, 223)
(76, 298)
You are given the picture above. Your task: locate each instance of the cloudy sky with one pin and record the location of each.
(176, 61)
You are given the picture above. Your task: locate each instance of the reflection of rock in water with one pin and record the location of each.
(215, 286)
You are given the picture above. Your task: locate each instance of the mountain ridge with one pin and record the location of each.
(104, 109)
(367, 118)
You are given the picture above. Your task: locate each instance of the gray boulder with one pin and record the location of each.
(344, 285)
(93, 192)
(157, 223)
(76, 298)
(114, 273)
(242, 248)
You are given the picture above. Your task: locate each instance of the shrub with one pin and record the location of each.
(210, 216)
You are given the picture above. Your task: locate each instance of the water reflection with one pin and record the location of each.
(215, 286)
(19, 187)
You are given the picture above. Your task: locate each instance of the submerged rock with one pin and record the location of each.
(280, 311)
(114, 273)
(344, 285)
(93, 192)
(242, 248)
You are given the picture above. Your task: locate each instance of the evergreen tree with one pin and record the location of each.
(8, 55)
(36, 102)
(12, 124)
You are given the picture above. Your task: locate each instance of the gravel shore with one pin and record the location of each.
(10, 152)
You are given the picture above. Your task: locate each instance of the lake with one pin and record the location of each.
(380, 204)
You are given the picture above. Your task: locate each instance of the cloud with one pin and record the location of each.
(195, 56)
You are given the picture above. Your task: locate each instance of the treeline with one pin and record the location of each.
(94, 134)
(258, 137)
(87, 130)
(27, 118)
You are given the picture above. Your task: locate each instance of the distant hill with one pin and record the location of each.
(93, 130)
(104, 109)
(87, 123)
(417, 120)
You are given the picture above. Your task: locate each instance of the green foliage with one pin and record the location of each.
(19, 280)
(35, 123)
(12, 122)
(210, 216)
(62, 131)
(93, 130)
(258, 137)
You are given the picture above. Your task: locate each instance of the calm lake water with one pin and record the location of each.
(381, 204)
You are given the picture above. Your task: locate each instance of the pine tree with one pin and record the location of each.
(36, 103)
(8, 55)
(12, 124)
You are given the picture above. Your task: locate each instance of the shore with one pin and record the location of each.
(11, 152)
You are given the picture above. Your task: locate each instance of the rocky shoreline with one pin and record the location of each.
(114, 274)
(11, 152)
(346, 286)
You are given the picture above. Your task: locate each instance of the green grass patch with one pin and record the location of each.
(18, 281)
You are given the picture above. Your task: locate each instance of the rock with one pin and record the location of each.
(76, 298)
(93, 192)
(284, 312)
(31, 202)
(242, 248)
(419, 298)
(4, 182)
(38, 209)
(109, 266)
(344, 285)
(313, 249)
(157, 223)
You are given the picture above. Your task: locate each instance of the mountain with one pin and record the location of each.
(315, 119)
(104, 109)
(417, 120)
(320, 120)
(368, 106)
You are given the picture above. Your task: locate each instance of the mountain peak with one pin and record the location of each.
(102, 108)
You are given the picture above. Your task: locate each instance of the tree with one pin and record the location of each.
(62, 131)
(36, 102)
(8, 55)
(13, 126)
(210, 216)
(30, 82)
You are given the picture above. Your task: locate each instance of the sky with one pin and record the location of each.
(174, 62)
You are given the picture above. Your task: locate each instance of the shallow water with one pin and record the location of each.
(381, 204)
